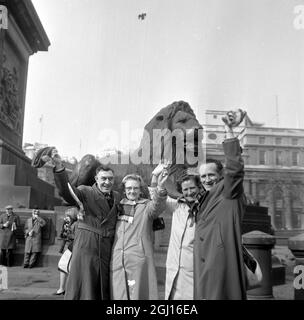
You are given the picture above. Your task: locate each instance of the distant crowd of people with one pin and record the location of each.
(9, 224)
(110, 238)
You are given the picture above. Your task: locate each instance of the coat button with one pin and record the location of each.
(202, 259)
(202, 239)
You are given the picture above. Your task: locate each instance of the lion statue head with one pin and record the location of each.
(174, 133)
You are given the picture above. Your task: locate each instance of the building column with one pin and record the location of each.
(287, 208)
(254, 189)
(302, 221)
(271, 206)
(246, 187)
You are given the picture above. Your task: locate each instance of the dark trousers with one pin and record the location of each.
(30, 258)
(6, 257)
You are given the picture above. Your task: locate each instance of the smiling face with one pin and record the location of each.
(209, 175)
(9, 211)
(132, 189)
(35, 214)
(189, 190)
(105, 181)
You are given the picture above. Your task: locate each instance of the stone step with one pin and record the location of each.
(48, 258)
(7, 175)
(35, 192)
(17, 196)
(282, 236)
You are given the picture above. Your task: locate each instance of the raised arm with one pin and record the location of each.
(170, 202)
(61, 179)
(234, 164)
(158, 203)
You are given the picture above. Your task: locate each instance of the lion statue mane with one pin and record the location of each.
(177, 116)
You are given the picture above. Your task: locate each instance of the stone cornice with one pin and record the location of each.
(18, 152)
(29, 23)
(274, 169)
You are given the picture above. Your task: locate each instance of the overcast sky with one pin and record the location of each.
(106, 69)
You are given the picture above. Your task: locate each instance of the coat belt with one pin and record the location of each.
(104, 232)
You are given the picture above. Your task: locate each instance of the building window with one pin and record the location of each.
(278, 140)
(262, 157)
(212, 136)
(261, 140)
(279, 160)
(295, 158)
(294, 141)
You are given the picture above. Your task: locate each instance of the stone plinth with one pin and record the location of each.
(256, 218)
(48, 231)
(26, 192)
(24, 36)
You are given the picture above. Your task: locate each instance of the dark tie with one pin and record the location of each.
(109, 199)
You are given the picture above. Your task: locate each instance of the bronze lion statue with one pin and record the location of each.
(173, 133)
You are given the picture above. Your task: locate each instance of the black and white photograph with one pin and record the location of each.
(152, 150)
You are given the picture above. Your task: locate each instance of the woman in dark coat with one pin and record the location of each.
(9, 222)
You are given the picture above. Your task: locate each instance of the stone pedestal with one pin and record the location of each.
(23, 37)
(260, 245)
(296, 246)
(256, 218)
(48, 231)
(50, 236)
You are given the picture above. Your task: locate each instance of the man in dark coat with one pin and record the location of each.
(218, 261)
(89, 267)
(9, 223)
(33, 239)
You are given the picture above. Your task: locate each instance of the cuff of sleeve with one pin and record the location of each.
(232, 146)
(59, 170)
(162, 192)
(230, 140)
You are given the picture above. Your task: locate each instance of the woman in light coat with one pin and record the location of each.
(132, 269)
(179, 262)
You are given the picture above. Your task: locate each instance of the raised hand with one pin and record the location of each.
(162, 178)
(81, 214)
(163, 165)
(234, 118)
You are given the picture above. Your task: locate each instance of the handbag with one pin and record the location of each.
(253, 270)
(64, 262)
(158, 224)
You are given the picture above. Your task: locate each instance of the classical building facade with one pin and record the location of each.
(274, 165)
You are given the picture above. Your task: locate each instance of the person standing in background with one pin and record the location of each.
(9, 222)
(32, 249)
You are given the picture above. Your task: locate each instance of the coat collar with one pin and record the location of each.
(101, 199)
(182, 199)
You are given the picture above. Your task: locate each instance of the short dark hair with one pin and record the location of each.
(196, 179)
(103, 168)
(218, 164)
